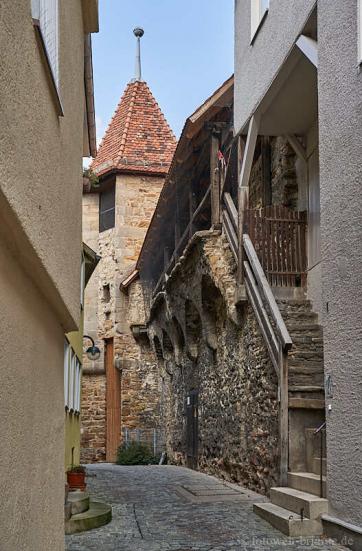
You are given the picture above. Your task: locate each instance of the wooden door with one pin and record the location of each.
(113, 402)
(192, 429)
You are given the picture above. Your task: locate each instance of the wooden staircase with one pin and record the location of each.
(273, 254)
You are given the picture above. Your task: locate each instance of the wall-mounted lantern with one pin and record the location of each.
(93, 352)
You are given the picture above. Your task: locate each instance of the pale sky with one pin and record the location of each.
(187, 52)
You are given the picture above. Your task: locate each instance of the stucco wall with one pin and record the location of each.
(340, 123)
(40, 161)
(256, 65)
(32, 415)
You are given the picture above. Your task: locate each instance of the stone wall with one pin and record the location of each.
(283, 176)
(93, 407)
(204, 343)
(109, 313)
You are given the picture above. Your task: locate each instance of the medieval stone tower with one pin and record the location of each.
(120, 390)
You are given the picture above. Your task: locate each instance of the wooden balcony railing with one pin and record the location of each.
(279, 238)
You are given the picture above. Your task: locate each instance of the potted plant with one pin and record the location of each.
(76, 478)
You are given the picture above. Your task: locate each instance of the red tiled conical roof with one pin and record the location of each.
(138, 138)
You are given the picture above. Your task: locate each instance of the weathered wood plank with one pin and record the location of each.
(230, 234)
(267, 292)
(283, 417)
(231, 209)
(263, 318)
(214, 180)
(113, 403)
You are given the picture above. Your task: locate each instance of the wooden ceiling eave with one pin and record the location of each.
(193, 139)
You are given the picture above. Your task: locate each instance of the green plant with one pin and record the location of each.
(135, 453)
(76, 469)
(93, 179)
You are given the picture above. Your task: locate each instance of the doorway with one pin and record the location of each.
(192, 429)
(113, 402)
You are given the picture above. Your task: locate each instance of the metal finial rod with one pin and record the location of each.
(138, 32)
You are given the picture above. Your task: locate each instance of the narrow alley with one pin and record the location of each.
(171, 508)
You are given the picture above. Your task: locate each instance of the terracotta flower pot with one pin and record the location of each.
(76, 481)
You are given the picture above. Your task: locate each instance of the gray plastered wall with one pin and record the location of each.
(340, 124)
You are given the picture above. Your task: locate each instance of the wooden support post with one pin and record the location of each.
(177, 234)
(244, 195)
(215, 181)
(192, 208)
(166, 257)
(266, 171)
(283, 417)
(113, 403)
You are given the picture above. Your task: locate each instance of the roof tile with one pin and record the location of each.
(138, 137)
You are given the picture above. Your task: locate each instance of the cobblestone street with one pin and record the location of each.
(175, 509)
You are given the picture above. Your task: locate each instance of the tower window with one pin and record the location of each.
(107, 208)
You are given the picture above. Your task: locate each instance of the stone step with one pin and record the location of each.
(307, 342)
(296, 501)
(287, 522)
(316, 465)
(305, 379)
(304, 354)
(79, 501)
(300, 317)
(304, 329)
(298, 366)
(97, 515)
(306, 482)
(317, 389)
(306, 403)
(310, 378)
(294, 305)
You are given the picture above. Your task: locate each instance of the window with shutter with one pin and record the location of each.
(107, 209)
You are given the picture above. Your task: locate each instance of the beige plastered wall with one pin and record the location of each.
(32, 415)
(40, 252)
(41, 153)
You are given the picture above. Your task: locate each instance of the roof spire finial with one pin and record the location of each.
(138, 32)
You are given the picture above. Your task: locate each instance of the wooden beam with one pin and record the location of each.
(267, 293)
(231, 209)
(262, 316)
(266, 170)
(309, 47)
(283, 417)
(243, 201)
(298, 148)
(166, 257)
(214, 180)
(177, 232)
(230, 234)
(192, 208)
(113, 403)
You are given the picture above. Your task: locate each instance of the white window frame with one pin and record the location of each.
(77, 386)
(71, 380)
(45, 14)
(258, 12)
(66, 372)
